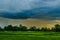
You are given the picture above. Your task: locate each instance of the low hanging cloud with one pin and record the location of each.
(23, 9)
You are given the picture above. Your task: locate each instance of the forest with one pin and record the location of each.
(56, 28)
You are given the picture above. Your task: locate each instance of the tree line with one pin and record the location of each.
(24, 28)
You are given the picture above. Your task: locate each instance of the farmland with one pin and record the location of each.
(29, 35)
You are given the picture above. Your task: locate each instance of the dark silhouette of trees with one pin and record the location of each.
(23, 28)
(33, 28)
(8, 28)
(52, 29)
(57, 28)
(38, 29)
(1, 29)
(43, 29)
(15, 28)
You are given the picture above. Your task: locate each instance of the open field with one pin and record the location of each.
(29, 35)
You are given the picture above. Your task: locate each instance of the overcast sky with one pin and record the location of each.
(39, 10)
(19, 5)
(30, 9)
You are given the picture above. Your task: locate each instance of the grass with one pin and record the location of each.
(29, 35)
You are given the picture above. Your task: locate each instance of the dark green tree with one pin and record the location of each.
(23, 28)
(8, 28)
(57, 28)
(1, 29)
(15, 28)
(33, 28)
(45, 29)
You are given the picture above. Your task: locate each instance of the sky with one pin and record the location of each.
(42, 12)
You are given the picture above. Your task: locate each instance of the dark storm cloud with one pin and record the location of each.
(23, 9)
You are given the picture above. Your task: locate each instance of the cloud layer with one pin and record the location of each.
(23, 9)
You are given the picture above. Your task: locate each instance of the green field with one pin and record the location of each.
(29, 35)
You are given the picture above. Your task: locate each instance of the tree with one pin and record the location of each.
(33, 28)
(1, 29)
(15, 28)
(45, 29)
(8, 28)
(57, 28)
(53, 29)
(38, 29)
(23, 28)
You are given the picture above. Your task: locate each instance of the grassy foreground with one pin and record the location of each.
(29, 35)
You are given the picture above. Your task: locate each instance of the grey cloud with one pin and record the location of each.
(19, 5)
(23, 9)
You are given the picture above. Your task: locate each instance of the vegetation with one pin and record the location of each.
(24, 28)
(23, 33)
(17, 35)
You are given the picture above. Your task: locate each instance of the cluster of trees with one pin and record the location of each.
(24, 28)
